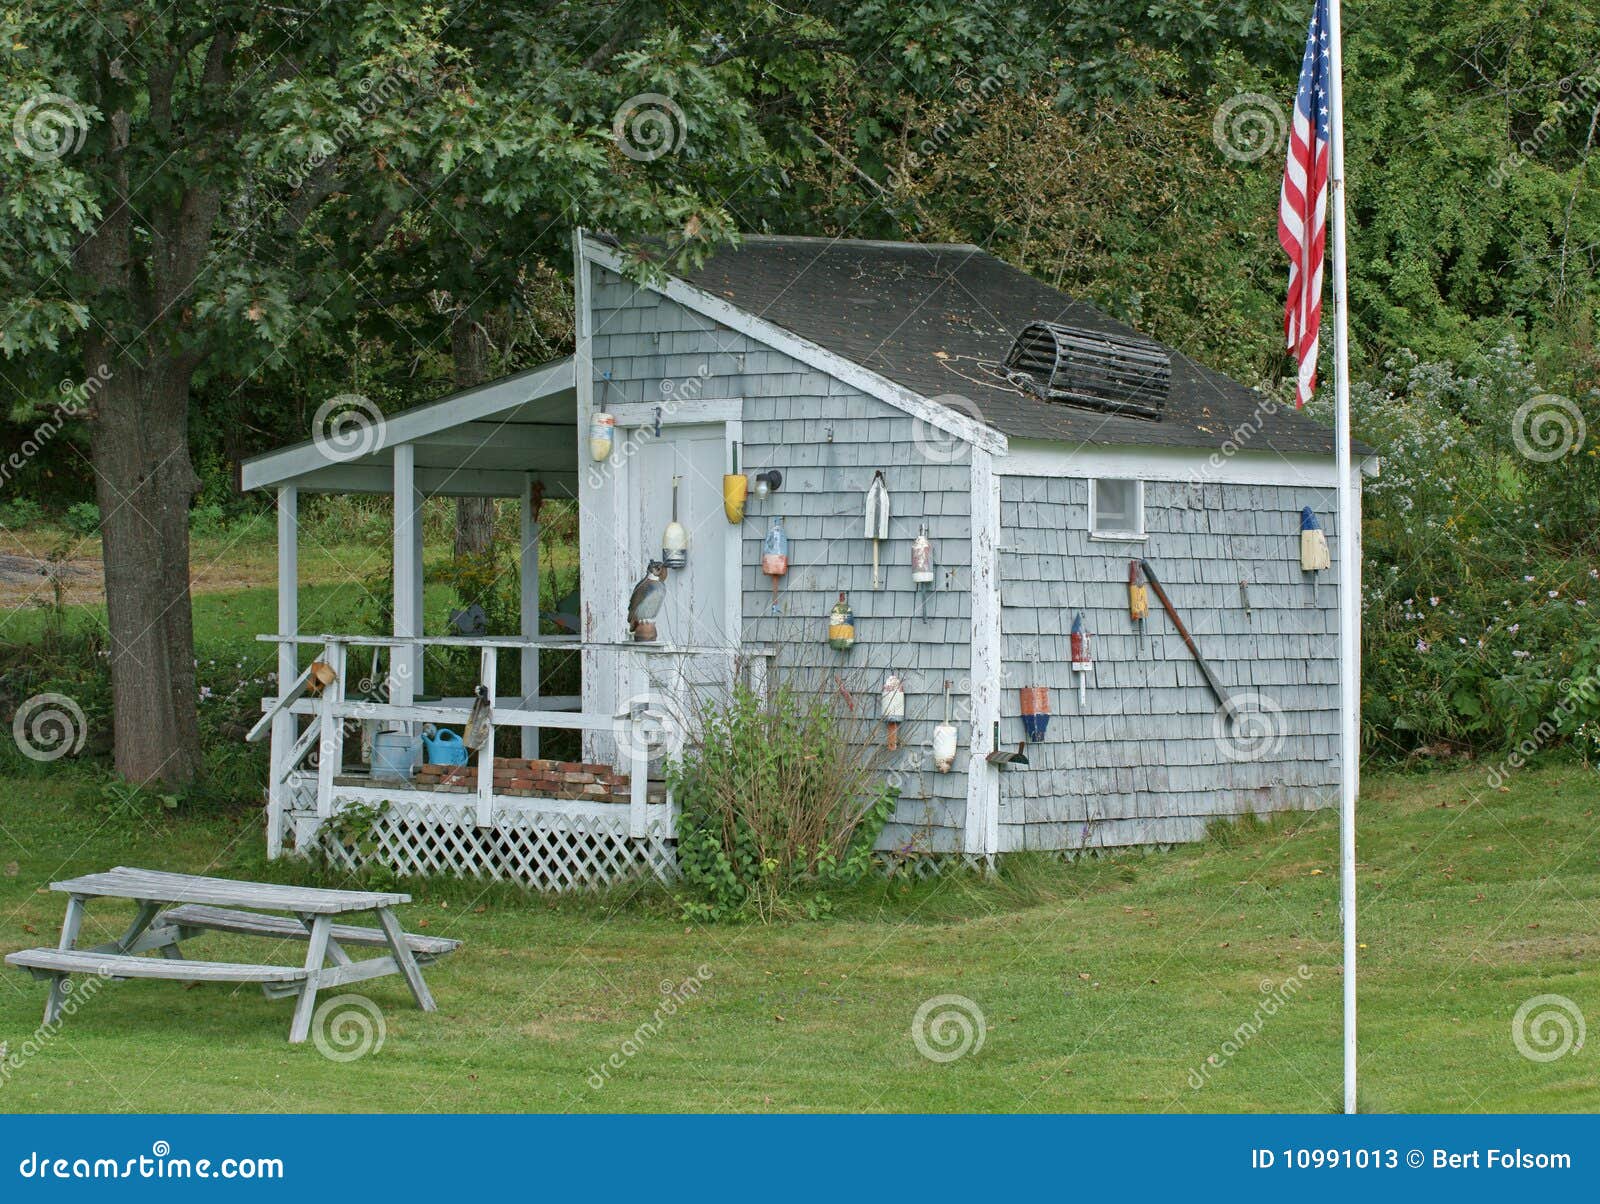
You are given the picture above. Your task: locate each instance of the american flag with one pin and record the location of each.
(1303, 205)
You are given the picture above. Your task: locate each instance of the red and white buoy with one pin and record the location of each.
(1082, 660)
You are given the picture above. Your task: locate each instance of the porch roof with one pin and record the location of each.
(478, 442)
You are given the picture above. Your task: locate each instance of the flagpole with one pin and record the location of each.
(1348, 537)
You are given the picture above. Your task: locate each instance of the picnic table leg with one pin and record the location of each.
(404, 958)
(70, 925)
(306, 1004)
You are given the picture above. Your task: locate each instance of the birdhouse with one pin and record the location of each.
(841, 626)
(922, 557)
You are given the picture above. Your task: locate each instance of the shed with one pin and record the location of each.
(1040, 445)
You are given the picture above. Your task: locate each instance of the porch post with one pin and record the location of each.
(405, 663)
(283, 724)
(530, 612)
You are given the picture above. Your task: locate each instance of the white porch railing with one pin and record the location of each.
(327, 704)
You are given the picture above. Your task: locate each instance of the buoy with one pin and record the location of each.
(775, 558)
(1035, 707)
(735, 488)
(602, 426)
(1313, 543)
(1138, 599)
(841, 626)
(922, 557)
(1082, 661)
(944, 738)
(602, 435)
(893, 707)
(675, 540)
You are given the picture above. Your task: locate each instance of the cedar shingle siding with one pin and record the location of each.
(1140, 763)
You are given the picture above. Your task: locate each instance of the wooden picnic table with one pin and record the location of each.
(175, 907)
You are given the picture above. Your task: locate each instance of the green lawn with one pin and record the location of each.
(1102, 985)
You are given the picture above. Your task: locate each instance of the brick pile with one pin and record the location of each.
(531, 778)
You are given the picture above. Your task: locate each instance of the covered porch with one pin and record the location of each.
(509, 814)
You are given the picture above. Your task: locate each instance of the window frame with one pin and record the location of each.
(1138, 535)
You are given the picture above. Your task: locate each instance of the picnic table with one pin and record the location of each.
(175, 907)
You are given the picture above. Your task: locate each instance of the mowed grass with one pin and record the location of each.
(1105, 985)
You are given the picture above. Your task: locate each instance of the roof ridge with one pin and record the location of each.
(863, 242)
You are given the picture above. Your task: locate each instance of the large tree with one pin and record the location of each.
(199, 191)
(193, 189)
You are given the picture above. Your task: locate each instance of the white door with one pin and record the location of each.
(701, 610)
(696, 610)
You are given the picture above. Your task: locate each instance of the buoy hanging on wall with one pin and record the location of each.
(944, 738)
(675, 540)
(1035, 706)
(602, 435)
(602, 426)
(922, 557)
(1082, 660)
(735, 488)
(841, 626)
(1138, 599)
(775, 557)
(894, 707)
(1313, 543)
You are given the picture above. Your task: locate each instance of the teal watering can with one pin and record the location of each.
(443, 747)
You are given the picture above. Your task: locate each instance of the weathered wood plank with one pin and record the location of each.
(251, 923)
(125, 965)
(128, 882)
(403, 958)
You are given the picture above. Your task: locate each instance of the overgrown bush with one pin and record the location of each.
(83, 517)
(781, 800)
(1481, 563)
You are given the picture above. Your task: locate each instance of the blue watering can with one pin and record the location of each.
(444, 747)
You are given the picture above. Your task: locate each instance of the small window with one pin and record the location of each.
(1116, 509)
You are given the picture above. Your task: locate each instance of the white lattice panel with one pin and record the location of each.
(552, 852)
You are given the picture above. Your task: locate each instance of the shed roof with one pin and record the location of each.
(477, 442)
(937, 318)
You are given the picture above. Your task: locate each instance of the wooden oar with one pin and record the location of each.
(1223, 697)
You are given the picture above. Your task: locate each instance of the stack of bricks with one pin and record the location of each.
(532, 778)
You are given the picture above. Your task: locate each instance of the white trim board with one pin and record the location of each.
(285, 464)
(1044, 458)
(941, 417)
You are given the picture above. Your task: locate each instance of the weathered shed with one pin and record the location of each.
(1041, 447)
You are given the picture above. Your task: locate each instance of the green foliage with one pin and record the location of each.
(1482, 566)
(780, 802)
(82, 517)
(17, 512)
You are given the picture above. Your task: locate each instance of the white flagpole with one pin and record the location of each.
(1349, 570)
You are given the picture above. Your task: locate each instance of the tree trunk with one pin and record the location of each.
(474, 515)
(144, 483)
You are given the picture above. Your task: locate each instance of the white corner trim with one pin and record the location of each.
(944, 418)
(982, 828)
(1195, 465)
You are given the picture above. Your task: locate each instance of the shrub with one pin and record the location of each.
(780, 801)
(83, 517)
(20, 512)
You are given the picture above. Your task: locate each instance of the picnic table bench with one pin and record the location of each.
(175, 907)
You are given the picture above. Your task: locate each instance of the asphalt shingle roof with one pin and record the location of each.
(938, 318)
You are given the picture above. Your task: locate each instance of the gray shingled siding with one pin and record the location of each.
(1141, 762)
(827, 438)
